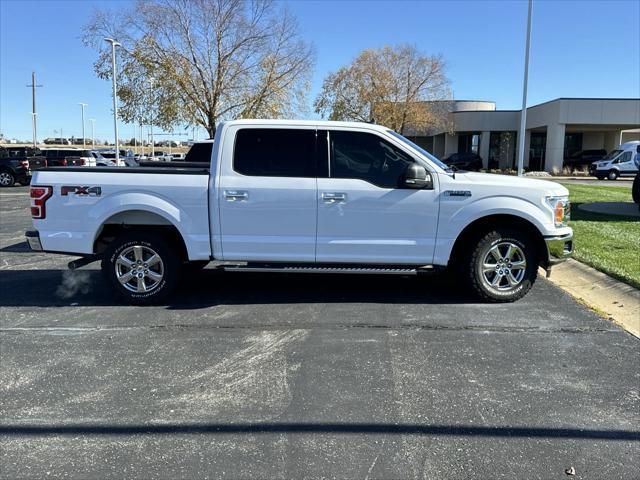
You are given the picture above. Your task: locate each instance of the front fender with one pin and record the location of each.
(457, 215)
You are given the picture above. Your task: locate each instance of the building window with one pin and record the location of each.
(572, 144)
(469, 142)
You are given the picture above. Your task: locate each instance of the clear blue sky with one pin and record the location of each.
(579, 49)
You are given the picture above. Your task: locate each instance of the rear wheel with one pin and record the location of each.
(612, 175)
(7, 179)
(502, 266)
(143, 269)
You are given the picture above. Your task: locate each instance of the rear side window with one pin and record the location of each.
(199, 152)
(274, 152)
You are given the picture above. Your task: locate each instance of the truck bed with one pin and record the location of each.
(201, 169)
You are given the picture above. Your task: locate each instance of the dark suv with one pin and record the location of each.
(584, 157)
(464, 161)
(16, 164)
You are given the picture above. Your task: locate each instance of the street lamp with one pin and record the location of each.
(523, 113)
(93, 132)
(114, 44)
(82, 105)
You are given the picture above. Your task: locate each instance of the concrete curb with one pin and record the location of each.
(609, 297)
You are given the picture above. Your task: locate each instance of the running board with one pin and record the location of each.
(333, 269)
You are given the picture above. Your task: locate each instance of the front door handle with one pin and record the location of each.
(334, 197)
(235, 195)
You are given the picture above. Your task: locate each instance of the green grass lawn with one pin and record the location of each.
(609, 243)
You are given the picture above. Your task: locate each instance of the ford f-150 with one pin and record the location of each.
(303, 196)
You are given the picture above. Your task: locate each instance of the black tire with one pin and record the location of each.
(161, 276)
(635, 189)
(521, 246)
(612, 175)
(7, 179)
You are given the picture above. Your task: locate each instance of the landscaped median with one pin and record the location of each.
(609, 243)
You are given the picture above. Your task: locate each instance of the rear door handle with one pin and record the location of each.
(236, 195)
(334, 197)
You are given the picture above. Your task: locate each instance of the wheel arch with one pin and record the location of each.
(143, 220)
(485, 224)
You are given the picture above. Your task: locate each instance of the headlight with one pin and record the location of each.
(561, 208)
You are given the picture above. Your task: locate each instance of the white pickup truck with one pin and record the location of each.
(303, 196)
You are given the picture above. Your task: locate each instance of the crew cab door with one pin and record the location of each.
(267, 194)
(364, 213)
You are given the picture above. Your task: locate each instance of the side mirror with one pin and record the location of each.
(416, 176)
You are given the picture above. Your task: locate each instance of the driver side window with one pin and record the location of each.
(366, 157)
(625, 157)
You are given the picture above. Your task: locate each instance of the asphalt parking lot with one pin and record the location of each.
(277, 376)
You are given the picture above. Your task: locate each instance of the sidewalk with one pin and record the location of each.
(609, 297)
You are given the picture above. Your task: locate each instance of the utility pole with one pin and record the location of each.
(93, 132)
(153, 145)
(114, 44)
(523, 113)
(34, 123)
(82, 105)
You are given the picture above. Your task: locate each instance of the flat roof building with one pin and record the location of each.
(554, 130)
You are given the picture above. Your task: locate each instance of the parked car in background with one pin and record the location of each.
(464, 161)
(17, 163)
(126, 156)
(623, 161)
(584, 158)
(57, 141)
(64, 157)
(177, 157)
(102, 161)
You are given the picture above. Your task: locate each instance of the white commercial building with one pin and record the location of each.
(554, 130)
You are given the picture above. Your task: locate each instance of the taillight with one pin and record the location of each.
(63, 162)
(24, 163)
(39, 195)
(82, 162)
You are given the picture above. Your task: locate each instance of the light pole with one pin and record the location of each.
(93, 132)
(523, 114)
(114, 44)
(82, 105)
(153, 145)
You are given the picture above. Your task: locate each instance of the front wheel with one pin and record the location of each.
(143, 269)
(612, 175)
(502, 266)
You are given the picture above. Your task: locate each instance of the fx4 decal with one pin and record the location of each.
(83, 191)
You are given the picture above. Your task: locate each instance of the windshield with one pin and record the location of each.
(612, 155)
(406, 141)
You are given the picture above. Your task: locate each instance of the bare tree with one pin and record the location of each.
(210, 60)
(395, 86)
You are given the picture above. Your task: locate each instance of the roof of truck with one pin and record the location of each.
(317, 123)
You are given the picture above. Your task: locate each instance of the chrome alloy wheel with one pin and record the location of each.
(504, 266)
(5, 179)
(139, 269)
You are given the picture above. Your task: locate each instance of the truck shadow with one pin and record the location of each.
(49, 288)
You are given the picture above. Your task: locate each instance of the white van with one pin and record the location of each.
(625, 160)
